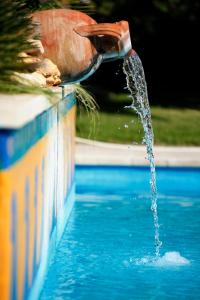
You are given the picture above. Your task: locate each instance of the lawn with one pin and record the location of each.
(172, 126)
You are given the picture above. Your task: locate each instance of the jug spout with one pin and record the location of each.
(112, 41)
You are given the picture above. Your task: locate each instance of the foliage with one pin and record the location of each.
(172, 126)
(89, 105)
(147, 10)
(39, 4)
(15, 30)
(144, 16)
(179, 8)
(85, 6)
(85, 98)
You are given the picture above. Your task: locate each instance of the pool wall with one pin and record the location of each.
(36, 196)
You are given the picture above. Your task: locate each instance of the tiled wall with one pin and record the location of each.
(36, 197)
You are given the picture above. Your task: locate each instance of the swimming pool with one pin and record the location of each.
(111, 229)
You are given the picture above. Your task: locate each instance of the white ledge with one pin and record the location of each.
(17, 110)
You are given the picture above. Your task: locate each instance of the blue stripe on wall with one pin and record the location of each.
(15, 143)
(14, 247)
(27, 224)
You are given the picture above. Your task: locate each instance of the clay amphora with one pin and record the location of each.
(77, 44)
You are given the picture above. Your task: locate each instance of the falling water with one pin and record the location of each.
(136, 84)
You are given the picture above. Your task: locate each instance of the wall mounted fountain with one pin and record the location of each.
(37, 145)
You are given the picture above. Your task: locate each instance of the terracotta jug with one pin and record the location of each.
(77, 44)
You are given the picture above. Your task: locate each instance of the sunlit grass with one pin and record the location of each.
(172, 126)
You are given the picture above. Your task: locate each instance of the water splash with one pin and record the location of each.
(137, 86)
(172, 259)
(169, 259)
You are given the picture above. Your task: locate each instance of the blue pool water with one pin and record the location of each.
(110, 233)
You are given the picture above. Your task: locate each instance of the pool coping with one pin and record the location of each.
(16, 110)
(91, 152)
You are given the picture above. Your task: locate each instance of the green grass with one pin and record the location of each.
(172, 126)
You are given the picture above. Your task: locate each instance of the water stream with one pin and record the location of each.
(137, 86)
